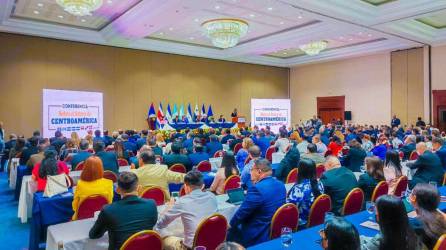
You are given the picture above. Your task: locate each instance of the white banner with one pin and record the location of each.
(71, 111)
(271, 112)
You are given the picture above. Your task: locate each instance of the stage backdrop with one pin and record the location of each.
(70, 111)
(271, 112)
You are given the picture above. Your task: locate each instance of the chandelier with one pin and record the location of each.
(314, 48)
(225, 33)
(80, 7)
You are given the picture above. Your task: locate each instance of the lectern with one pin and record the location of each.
(240, 120)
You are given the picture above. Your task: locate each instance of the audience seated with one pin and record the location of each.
(228, 167)
(428, 167)
(198, 155)
(151, 174)
(243, 153)
(69, 148)
(339, 234)
(261, 141)
(335, 146)
(226, 136)
(367, 145)
(321, 147)
(254, 154)
(430, 222)
(81, 155)
(123, 218)
(313, 155)
(109, 159)
(30, 150)
(381, 148)
(289, 162)
(49, 166)
(155, 148)
(440, 150)
(58, 140)
(143, 140)
(409, 146)
(392, 169)
(128, 145)
(374, 174)
(92, 183)
(302, 144)
(355, 157)
(395, 232)
(213, 145)
(338, 181)
(282, 142)
(177, 157)
(37, 158)
(306, 189)
(192, 208)
(251, 223)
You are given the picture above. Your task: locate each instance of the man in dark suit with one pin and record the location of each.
(198, 155)
(420, 123)
(176, 120)
(395, 122)
(251, 224)
(213, 145)
(262, 142)
(428, 167)
(409, 146)
(440, 150)
(80, 156)
(30, 150)
(123, 218)
(227, 136)
(97, 136)
(177, 157)
(143, 140)
(128, 145)
(338, 181)
(221, 119)
(289, 162)
(58, 140)
(109, 159)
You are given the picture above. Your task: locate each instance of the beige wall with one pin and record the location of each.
(129, 79)
(365, 82)
(438, 60)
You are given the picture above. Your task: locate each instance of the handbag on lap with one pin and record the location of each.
(56, 184)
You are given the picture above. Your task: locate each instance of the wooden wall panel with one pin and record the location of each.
(129, 79)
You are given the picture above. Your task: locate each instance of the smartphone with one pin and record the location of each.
(175, 195)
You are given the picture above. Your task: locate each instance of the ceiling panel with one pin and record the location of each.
(378, 2)
(437, 21)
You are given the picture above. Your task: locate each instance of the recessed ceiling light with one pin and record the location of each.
(60, 16)
(350, 39)
(285, 53)
(83, 20)
(161, 33)
(369, 35)
(360, 33)
(300, 17)
(36, 12)
(196, 20)
(191, 38)
(170, 28)
(270, 8)
(109, 1)
(40, 4)
(281, 23)
(341, 37)
(252, 15)
(217, 7)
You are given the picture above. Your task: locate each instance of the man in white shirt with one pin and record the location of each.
(195, 206)
(321, 147)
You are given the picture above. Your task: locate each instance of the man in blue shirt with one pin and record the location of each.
(80, 156)
(213, 145)
(198, 155)
(97, 136)
(440, 150)
(227, 136)
(251, 224)
(262, 142)
(254, 154)
(128, 145)
(143, 140)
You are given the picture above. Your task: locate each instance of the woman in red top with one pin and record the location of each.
(335, 146)
(48, 166)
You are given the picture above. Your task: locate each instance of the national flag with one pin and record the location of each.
(196, 112)
(169, 113)
(203, 110)
(151, 111)
(189, 113)
(175, 111)
(181, 111)
(160, 116)
(210, 113)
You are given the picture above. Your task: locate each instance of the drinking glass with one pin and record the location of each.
(370, 207)
(328, 216)
(433, 183)
(286, 236)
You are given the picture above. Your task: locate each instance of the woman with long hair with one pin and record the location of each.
(306, 189)
(395, 232)
(120, 152)
(392, 169)
(68, 148)
(339, 234)
(49, 166)
(76, 139)
(374, 174)
(228, 167)
(92, 182)
(242, 154)
(430, 223)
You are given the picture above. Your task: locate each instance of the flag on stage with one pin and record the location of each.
(196, 112)
(151, 117)
(160, 116)
(210, 113)
(169, 113)
(189, 113)
(175, 111)
(181, 111)
(203, 110)
(151, 111)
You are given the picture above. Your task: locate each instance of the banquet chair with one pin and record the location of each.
(247, 160)
(320, 206)
(292, 176)
(72, 183)
(80, 166)
(353, 202)
(232, 182)
(204, 166)
(182, 191)
(147, 240)
(401, 154)
(110, 175)
(219, 153)
(381, 189)
(288, 148)
(401, 186)
(88, 206)
(269, 153)
(155, 193)
(320, 169)
(90, 150)
(285, 216)
(211, 232)
(68, 158)
(413, 156)
(122, 162)
(272, 142)
(178, 167)
(441, 243)
(237, 147)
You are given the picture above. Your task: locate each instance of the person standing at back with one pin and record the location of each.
(126, 217)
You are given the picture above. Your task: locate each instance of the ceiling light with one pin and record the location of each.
(196, 20)
(341, 37)
(225, 33)
(314, 48)
(281, 23)
(161, 33)
(80, 7)
(109, 1)
(369, 35)
(170, 28)
(191, 38)
(360, 33)
(252, 15)
(217, 7)
(270, 8)
(36, 12)
(40, 4)
(300, 17)
(83, 20)
(60, 16)
(285, 53)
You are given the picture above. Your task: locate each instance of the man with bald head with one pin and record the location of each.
(409, 146)
(428, 167)
(338, 181)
